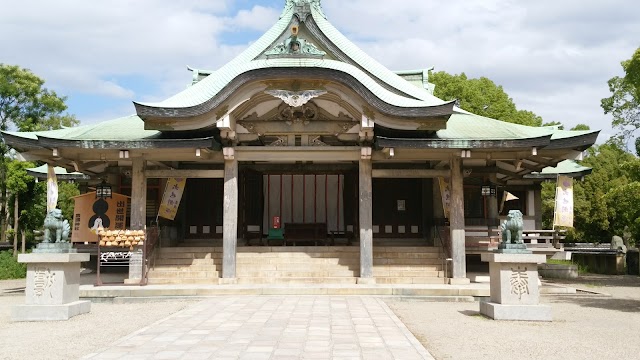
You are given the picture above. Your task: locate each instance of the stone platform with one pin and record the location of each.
(52, 288)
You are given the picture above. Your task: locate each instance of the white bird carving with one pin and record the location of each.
(296, 98)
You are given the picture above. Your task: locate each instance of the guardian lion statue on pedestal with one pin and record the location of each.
(511, 228)
(56, 228)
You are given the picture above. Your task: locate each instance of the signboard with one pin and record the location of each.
(563, 215)
(171, 198)
(90, 213)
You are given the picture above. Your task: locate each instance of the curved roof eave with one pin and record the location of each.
(222, 88)
(579, 140)
(462, 143)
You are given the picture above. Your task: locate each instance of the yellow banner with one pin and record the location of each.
(171, 198)
(445, 192)
(563, 215)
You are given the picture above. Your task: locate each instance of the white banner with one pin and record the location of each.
(52, 188)
(445, 192)
(563, 215)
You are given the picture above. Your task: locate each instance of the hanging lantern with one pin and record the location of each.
(103, 190)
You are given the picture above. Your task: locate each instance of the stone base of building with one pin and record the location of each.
(459, 281)
(228, 281)
(516, 312)
(366, 281)
(50, 312)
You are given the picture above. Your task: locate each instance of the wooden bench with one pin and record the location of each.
(305, 232)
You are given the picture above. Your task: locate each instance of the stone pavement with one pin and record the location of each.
(278, 327)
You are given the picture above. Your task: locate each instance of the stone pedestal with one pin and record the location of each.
(515, 294)
(53, 281)
(136, 266)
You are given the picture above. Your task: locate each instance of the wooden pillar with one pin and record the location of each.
(366, 222)
(492, 209)
(230, 225)
(138, 194)
(456, 219)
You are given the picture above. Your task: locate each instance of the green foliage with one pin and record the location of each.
(581, 127)
(605, 201)
(17, 177)
(10, 268)
(624, 102)
(482, 97)
(66, 192)
(26, 104)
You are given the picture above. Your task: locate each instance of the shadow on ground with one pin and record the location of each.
(600, 302)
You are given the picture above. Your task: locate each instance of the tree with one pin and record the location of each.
(25, 105)
(482, 97)
(624, 102)
(17, 184)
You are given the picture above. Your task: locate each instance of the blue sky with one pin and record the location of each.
(554, 58)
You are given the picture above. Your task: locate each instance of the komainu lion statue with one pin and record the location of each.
(56, 228)
(511, 228)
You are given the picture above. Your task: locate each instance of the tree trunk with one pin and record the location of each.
(24, 241)
(4, 214)
(15, 226)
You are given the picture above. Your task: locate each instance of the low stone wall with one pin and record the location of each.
(610, 264)
(558, 271)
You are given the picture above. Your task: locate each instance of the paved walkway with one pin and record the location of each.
(291, 327)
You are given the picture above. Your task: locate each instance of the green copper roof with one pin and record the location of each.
(470, 126)
(42, 172)
(122, 129)
(214, 83)
(566, 167)
(249, 60)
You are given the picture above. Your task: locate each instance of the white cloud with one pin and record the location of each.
(552, 57)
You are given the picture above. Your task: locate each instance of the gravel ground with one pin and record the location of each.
(585, 326)
(79, 336)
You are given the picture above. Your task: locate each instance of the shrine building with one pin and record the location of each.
(305, 145)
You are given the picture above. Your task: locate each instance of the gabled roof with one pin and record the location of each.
(384, 86)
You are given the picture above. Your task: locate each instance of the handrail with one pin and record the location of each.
(446, 249)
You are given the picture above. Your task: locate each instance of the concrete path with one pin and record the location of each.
(279, 327)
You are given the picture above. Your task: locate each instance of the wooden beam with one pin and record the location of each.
(541, 160)
(410, 173)
(190, 174)
(297, 153)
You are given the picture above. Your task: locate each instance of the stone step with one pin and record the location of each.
(177, 281)
(296, 280)
(399, 261)
(410, 280)
(183, 274)
(185, 262)
(185, 268)
(295, 267)
(166, 250)
(296, 274)
(408, 273)
(189, 255)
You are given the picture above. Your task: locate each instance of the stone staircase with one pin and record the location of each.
(298, 265)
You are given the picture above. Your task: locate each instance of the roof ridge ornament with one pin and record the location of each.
(294, 45)
(302, 8)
